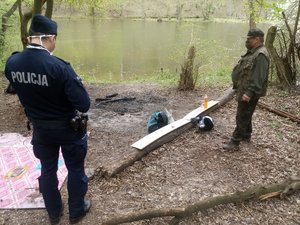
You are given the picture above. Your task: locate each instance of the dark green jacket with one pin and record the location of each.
(250, 75)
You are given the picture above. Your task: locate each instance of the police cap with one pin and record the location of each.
(255, 32)
(42, 24)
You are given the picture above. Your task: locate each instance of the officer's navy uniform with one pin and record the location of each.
(51, 92)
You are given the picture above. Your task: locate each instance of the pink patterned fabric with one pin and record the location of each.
(19, 170)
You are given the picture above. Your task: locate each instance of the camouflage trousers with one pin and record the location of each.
(243, 129)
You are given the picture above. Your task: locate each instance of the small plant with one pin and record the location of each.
(189, 73)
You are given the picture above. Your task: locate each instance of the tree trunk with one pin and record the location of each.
(279, 63)
(49, 9)
(252, 23)
(290, 55)
(28, 15)
(37, 7)
(92, 11)
(24, 31)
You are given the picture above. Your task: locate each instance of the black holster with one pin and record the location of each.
(79, 122)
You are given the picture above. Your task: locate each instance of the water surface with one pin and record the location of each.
(119, 49)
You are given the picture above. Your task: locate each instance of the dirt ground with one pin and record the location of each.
(186, 170)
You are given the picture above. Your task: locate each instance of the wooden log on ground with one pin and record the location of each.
(118, 165)
(292, 117)
(288, 186)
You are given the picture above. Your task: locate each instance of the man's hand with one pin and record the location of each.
(245, 98)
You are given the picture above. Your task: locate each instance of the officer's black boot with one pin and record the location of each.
(56, 219)
(87, 206)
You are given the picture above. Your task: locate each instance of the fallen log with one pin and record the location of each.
(133, 155)
(288, 186)
(292, 117)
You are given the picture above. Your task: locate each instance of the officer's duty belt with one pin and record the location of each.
(50, 123)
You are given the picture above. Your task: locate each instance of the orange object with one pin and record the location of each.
(205, 103)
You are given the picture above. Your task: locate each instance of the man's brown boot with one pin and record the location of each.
(231, 146)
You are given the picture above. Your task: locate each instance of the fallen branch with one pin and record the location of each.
(255, 193)
(292, 117)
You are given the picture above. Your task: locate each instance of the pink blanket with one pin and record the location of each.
(19, 170)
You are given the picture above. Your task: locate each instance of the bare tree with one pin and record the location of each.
(284, 49)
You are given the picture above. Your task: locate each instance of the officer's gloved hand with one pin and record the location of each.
(234, 85)
(10, 90)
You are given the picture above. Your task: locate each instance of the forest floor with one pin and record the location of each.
(186, 170)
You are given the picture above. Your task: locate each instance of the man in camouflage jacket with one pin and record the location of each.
(250, 79)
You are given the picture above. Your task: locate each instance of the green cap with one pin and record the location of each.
(255, 32)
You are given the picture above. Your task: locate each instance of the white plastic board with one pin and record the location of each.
(156, 135)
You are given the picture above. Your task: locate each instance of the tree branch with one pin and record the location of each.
(292, 117)
(290, 33)
(296, 20)
(6, 15)
(254, 193)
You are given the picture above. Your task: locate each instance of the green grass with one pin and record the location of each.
(167, 78)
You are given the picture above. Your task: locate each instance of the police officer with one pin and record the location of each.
(51, 93)
(250, 79)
